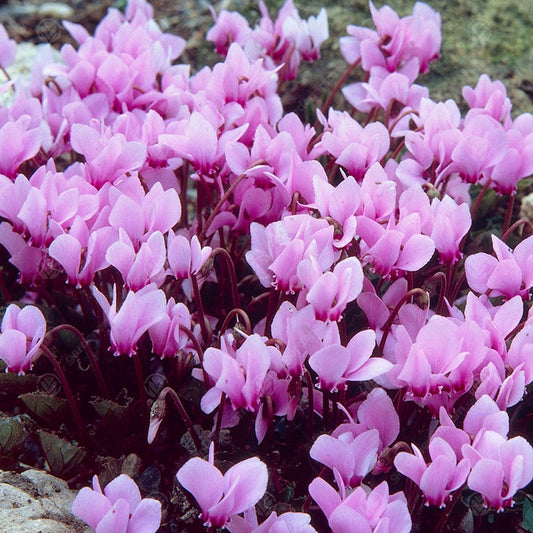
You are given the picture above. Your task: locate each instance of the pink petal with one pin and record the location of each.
(146, 518)
(203, 480)
(377, 412)
(90, 506)
(325, 495)
(116, 520)
(123, 487)
(487, 478)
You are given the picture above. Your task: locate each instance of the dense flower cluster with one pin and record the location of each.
(146, 190)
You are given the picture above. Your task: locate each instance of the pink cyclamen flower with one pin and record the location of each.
(8, 48)
(220, 496)
(441, 477)
(330, 292)
(488, 98)
(336, 364)
(284, 523)
(508, 274)
(362, 511)
(22, 332)
(279, 247)
(500, 466)
(352, 456)
(139, 311)
(119, 508)
(450, 225)
(240, 373)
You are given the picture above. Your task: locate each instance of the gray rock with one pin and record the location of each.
(36, 502)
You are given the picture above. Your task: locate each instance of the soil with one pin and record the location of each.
(479, 36)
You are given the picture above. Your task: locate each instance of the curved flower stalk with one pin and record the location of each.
(119, 507)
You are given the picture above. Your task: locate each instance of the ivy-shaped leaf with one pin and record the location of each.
(62, 456)
(49, 408)
(11, 383)
(11, 435)
(113, 413)
(527, 513)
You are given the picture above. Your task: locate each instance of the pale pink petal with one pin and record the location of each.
(90, 506)
(146, 518)
(203, 480)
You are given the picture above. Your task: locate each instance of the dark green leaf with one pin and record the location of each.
(11, 435)
(113, 413)
(62, 457)
(527, 513)
(47, 407)
(12, 383)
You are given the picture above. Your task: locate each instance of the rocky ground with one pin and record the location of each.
(478, 36)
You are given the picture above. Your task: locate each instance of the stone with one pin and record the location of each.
(36, 502)
(526, 207)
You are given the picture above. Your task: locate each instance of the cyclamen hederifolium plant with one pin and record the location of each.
(269, 325)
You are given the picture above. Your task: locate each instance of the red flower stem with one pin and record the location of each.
(511, 334)
(325, 409)
(404, 113)
(216, 435)
(183, 412)
(230, 268)
(273, 300)
(372, 115)
(398, 149)
(140, 382)
(68, 391)
(218, 207)
(508, 213)
(448, 510)
(443, 288)
(479, 197)
(390, 320)
(198, 349)
(333, 172)
(237, 312)
(516, 225)
(334, 408)
(310, 404)
(335, 89)
(4, 291)
(182, 175)
(308, 500)
(267, 400)
(102, 385)
(450, 275)
(458, 285)
(280, 345)
(86, 309)
(206, 334)
(6, 74)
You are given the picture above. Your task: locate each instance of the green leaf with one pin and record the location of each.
(47, 407)
(62, 457)
(14, 384)
(113, 413)
(527, 513)
(11, 435)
